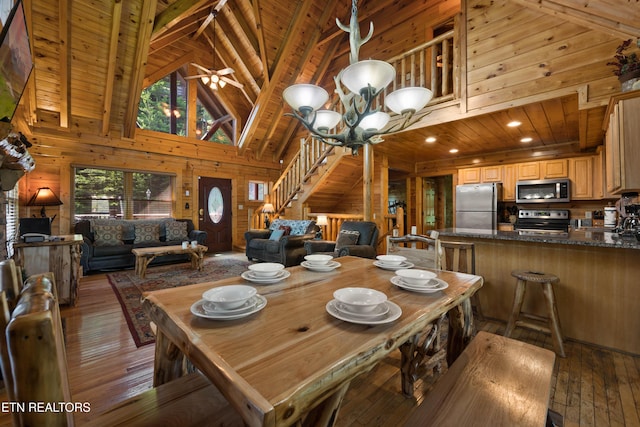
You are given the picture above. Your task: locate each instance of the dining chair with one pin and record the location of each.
(460, 257)
(420, 250)
(425, 352)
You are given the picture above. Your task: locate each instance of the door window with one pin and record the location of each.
(216, 205)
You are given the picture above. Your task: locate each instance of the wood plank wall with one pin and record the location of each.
(152, 152)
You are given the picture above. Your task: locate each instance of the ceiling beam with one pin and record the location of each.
(147, 16)
(298, 24)
(261, 43)
(111, 66)
(175, 13)
(594, 15)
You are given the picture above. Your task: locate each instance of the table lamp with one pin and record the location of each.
(321, 221)
(44, 196)
(267, 210)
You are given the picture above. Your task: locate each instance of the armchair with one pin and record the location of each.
(267, 245)
(356, 238)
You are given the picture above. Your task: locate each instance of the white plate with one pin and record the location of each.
(198, 310)
(211, 308)
(248, 275)
(378, 312)
(331, 265)
(439, 285)
(402, 265)
(393, 314)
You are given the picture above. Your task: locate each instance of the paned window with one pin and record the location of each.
(112, 193)
(257, 190)
(163, 108)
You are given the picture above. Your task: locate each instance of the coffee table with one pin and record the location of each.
(145, 255)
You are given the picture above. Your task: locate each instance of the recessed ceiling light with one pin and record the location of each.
(475, 161)
(453, 150)
(514, 124)
(431, 139)
(527, 139)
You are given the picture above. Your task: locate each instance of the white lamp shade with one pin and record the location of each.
(322, 220)
(372, 72)
(305, 96)
(327, 119)
(408, 99)
(375, 121)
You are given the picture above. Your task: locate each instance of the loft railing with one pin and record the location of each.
(430, 64)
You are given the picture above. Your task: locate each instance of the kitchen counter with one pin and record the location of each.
(597, 237)
(598, 297)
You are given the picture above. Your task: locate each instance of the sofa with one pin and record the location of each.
(355, 238)
(108, 242)
(282, 242)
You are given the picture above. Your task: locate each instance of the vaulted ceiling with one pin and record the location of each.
(93, 57)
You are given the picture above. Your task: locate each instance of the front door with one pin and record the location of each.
(215, 212)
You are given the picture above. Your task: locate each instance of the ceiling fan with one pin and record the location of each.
(211, 77)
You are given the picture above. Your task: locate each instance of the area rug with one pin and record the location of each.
(128, 287)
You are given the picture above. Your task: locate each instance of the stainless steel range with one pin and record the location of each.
(542, 221)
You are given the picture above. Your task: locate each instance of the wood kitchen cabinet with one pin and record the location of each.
(550, 169)
(509, 179)
(581, 176)
(491, 174)
(622, 143)
(528, 171)
(61, 257)
(469, 176)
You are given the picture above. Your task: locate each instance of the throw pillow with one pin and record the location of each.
(147, 233)
(286, 229)
(108, 235)
(176, 230)
(276, 234)
(346, 238)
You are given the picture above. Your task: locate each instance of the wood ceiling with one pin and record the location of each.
(272, 44)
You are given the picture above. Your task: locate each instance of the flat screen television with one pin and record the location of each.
(15, 61)
(35, 225)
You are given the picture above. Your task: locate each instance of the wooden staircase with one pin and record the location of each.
(313, 163)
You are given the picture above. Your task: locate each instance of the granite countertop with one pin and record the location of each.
(582, 237)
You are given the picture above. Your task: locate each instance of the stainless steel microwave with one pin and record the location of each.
(543, 191)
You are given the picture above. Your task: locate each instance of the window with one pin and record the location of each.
(11, 223)
(163, 108)
(257, 190)
(111, 193)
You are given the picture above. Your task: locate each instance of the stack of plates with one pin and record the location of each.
(392, 262)
(433, 285)
(383, 313)
(253, 277)
(209, 310)
(329, 266)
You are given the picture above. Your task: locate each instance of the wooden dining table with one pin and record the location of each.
(292, 361)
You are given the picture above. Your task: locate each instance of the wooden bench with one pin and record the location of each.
(496, 381)
(33, 355)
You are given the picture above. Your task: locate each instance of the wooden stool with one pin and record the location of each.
(547, 281)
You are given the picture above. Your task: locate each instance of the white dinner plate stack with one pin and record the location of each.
(418, 281)
(209, 310)
(252, 277)
(392, 262)
(229, 302)
(363, 306)
(328, 266)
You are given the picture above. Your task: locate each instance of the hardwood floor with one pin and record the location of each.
(591, 387)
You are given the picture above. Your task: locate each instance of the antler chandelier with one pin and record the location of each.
(362, 123)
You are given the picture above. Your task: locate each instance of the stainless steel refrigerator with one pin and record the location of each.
(477, 205)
